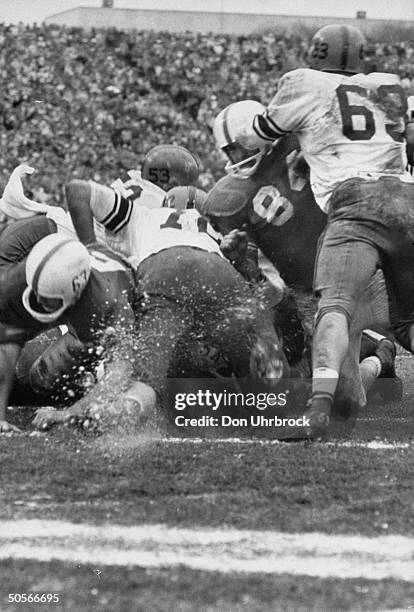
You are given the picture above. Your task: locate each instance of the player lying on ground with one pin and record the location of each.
(144, 187)
(19, 200)
(163, 167)
(351, 131)
(185, 286)
(46, 280)
(210, 300)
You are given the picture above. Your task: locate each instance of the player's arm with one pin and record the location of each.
(110, 206)
(409, 132)
(274, 285)
(9, 354)
(286, 112)
(115, 338)
(11, 342)
(78, 198)
(242, 254)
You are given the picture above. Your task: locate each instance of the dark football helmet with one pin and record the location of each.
(337, 48)
(181, 198)
(170, 166)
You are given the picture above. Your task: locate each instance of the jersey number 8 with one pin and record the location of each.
(270, 205)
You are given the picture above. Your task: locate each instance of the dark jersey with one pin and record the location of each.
(16, 242)
(283, 218)
(106, 299)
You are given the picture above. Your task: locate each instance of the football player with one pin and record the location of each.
(185, 284)
(409, 134)
(267, 194)
(47, 279)
(350, 127)
(163, 168)
(183, 197)
(51, 356)
(169, 166)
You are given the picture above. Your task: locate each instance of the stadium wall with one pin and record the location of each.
(218, 22)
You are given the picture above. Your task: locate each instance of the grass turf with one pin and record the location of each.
(180, 589)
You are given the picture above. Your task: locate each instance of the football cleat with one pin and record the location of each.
(389, 386)
(319, 417)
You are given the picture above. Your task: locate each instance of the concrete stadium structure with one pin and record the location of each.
(203, 21)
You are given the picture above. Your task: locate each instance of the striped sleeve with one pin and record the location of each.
(266, 128)
(120, 214)
(286, 112)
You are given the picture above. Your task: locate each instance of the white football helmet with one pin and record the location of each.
(57, 270)
(410, 109)
(228, 126)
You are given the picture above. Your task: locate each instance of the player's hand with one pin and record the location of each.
(47, 417)
(84, 415)
(85, 354)
(13, 195)
(234, 245)
(6, 427)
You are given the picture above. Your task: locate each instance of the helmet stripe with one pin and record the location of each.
(345, 47)
(191, 197)
(226, 126)
(43, 262)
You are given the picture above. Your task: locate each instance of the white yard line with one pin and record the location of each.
(232, 550)
(373, 444)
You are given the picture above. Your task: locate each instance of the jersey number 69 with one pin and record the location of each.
(390, 98)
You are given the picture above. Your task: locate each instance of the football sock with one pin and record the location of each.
(324, 383)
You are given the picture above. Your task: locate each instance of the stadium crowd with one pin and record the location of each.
(87, 104)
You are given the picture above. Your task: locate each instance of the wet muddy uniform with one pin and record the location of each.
(186, 288)
(284, 220)
(105, 301)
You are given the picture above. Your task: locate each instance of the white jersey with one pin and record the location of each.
(143, 192)
(410, 119)
(138, 231)
(14, 205)
(347, 126)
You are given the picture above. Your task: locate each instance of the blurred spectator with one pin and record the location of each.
(88, 104)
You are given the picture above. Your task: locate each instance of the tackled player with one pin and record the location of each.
(47, 279)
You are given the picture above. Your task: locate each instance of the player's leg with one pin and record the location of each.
(162, 323)
(377, 366)
(235, 321)
(163, 317)
(343, 270)
(18, 237)
(377, 350)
